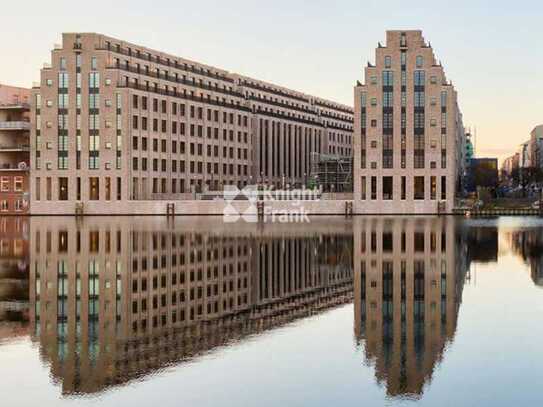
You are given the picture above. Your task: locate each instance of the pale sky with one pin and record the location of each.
(491, 50)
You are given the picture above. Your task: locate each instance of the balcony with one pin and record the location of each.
(14, 148)
(21, 166)
(15, 125)
(15, 106)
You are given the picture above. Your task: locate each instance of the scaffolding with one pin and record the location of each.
(333, 173)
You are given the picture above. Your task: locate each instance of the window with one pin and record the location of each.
(388, 99)
(4, 206)
(419, 99)
(4, 184)
(388, 78)
(388, 61)
(419, 78)
(404, 188)
(444, 98)
(94, 188)
(63, 189)
(419, 188)
(443, 187)
(373, 188)
(108, 189)
(433, 188)
(388, 188)
(363, 189)
(419, 61)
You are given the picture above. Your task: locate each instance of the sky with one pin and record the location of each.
(491, 50)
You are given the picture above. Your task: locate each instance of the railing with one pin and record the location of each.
(179, 80)
(15, 105)
(158, 60)
(20, 147)
(16, 167)
(19, 125)
(124, 84)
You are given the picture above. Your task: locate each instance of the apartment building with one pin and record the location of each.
(114, 123)
(113, 300)
(409, 136)
(14, 149)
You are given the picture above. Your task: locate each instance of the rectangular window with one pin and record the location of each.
(63, 189)
(94, 188)
(38, 188)
(119, 188)
(419, 78)
(4, 184)
(404, 188)
(388, 188)
(108, 189)
(388, 78)
(433, 188)
(443, 187)
(419, 188)
(373, 188)
(48, 189)
(363, 189)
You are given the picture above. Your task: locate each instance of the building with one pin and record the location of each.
(525, 155)
(14, 149)
(114, 124)
(506, 170)
(536, 146)
(409, 137)
(483, 173)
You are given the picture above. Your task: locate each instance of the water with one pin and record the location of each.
(369, 311)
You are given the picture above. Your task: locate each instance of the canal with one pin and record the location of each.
(112, 311)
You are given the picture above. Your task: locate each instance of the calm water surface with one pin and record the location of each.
(194, 312)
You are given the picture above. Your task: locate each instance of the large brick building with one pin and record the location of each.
(14, 149)
(115, 123)
(409, 137)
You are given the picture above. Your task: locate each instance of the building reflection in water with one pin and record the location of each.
(528, 244)
(13, 277)
(409, 276)
(113, 299)
(482, 242)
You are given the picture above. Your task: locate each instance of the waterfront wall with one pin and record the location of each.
(217, 207)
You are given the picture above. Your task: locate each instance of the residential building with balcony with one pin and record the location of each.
(409, 142)
(14, 149)
(115, 124)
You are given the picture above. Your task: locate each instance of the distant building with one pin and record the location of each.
(484, 173)
(525, 155)
(14, 149)
(536, 146)
(506, 169)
